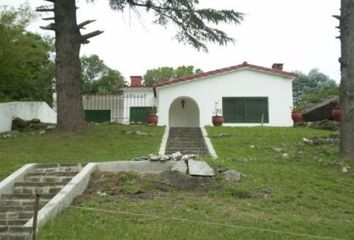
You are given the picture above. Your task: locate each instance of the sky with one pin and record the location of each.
(301, 34)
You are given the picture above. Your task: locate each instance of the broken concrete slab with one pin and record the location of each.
(232, 176)
(199, 168)
(180, 166)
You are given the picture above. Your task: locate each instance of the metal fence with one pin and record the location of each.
(113, 108)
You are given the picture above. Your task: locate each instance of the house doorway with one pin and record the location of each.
(184, 112)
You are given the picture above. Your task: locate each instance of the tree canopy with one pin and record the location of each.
(97, 78)
(162, 74)
(314, 81)
(195, 26)
(26, 67)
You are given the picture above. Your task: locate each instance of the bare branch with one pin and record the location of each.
(45, 9)
(48, 19)
(81, 25)
(84, 38)
(336, 17)
(49, 27)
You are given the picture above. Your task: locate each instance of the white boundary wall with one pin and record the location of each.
(26, 111)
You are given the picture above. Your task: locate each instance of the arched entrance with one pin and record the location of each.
(184, 112)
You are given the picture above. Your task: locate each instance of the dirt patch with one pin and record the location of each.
(143, 186)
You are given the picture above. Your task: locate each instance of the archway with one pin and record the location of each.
(184, 112)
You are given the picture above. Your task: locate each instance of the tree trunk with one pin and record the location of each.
(347, 78)
(68, 68)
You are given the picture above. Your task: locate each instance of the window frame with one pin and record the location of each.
(245, 107)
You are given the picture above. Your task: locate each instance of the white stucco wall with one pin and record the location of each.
(129, 100)
(26, 111)
(240, 83)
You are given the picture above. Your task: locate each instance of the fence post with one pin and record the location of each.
(35, 214)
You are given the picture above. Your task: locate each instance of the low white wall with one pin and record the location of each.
(26, 111)
(5, 117)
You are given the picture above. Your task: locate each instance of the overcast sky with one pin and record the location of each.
(301, 34)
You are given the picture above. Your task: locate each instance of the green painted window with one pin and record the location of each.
(98, 115)
(245, 109)
(139, 114)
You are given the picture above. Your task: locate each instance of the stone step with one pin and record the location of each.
(24, 196)
(33, 188)
(47, 179)
(24, 200)
(43, 168)
(16, 215)
(52, 174)
(14, 222)
(15, 229)
(178, 148)
(26, 203)
(186, 141)
(197, 152)
(186, 144)
(15, 236)
(7, 208)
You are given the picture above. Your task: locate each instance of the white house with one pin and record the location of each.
(246, 94)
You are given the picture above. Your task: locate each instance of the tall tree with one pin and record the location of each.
(192, 29)
(98, 78)
(314, 81)
(162, 74)
(26, 69)
(347, 78)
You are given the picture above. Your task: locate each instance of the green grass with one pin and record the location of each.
(305, 192)
(99, 143)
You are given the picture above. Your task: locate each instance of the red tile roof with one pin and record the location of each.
(225, 70)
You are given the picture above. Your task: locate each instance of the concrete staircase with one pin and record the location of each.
(16, 208)
(186, 141)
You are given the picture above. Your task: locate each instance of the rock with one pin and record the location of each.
(176, 156)
(199, 168)
(35, 120)
(325, 124)
(192, 156)
(277, 149)
(140, 133)
(41, 132)
(38, 126)
(232, 176)
(185, 157)
(221, 135)
(50, 127)
(221, 170)
(307, 141)
(320, 140)
(153, 157)
(164, 158)
(19, 124)
(180, 166)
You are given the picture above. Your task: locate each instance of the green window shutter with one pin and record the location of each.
(139, 114)
(245, 109)
(98, 115)
(257, 108)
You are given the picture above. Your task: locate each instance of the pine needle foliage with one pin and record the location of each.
(195, 25)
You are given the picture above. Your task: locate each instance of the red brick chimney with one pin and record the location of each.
(136, 81)
(278, 66)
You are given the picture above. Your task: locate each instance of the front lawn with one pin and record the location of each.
(290, 190)
(99, 143)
